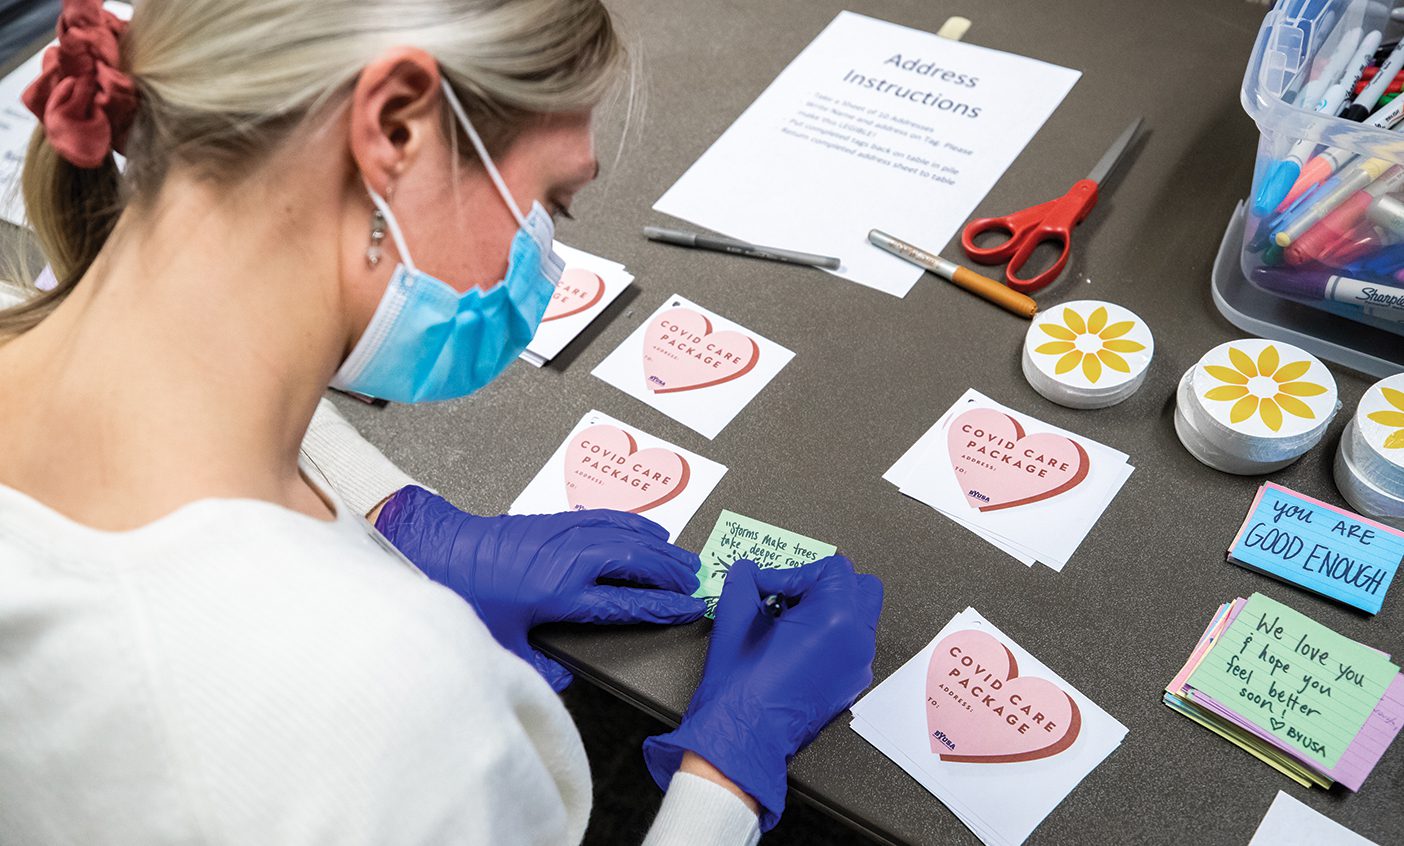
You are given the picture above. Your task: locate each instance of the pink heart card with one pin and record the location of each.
(681, 352)
(998, 466)
(586, 288)
(605, 463)
(604, 468)
(694, 365)
(578, 290)
(987, 728)
(1032, 490)
(980, 710)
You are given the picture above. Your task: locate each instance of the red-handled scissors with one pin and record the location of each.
(1051, 222)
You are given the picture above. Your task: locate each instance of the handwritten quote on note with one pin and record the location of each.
(1294, 678)
(736, 537)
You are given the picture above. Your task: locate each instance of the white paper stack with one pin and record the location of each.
(1030, 489)
(987, 728)
(590, 283)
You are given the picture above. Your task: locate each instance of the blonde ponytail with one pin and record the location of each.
(222, 83)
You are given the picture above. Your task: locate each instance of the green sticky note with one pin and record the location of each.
(736, 537)
(1289, 675)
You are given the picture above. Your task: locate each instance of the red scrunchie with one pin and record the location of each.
(81, 97)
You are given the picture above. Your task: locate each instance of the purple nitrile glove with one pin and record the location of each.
(521, 571)
(771, 683)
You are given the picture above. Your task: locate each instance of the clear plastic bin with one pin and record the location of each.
(1335, 242)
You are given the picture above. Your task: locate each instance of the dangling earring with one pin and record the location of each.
(377, 234)
(377, 237)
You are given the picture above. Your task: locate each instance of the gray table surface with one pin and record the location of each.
(872, 372)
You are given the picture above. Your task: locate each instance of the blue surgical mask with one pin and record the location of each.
(427, 341)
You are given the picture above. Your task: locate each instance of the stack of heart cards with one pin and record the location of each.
(1030, 489)
(608, 464)
(989, 730)
(694, 365)
(587, 287)
(1318, 706)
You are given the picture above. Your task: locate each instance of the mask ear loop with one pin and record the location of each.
(481, 150)
(395, 234)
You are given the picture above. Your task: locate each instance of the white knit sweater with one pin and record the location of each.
(236, 673)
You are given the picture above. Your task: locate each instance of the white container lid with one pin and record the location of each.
(1087, 353)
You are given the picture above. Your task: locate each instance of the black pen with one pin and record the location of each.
(775, 604)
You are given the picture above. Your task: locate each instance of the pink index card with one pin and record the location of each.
(1222, 618)
(1363, 753)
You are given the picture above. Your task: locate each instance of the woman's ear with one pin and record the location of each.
(395, 107)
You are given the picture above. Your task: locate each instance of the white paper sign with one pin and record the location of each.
(872, 126)
(693, 365)
(608, 464)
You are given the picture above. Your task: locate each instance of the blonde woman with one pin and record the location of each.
(201, 639)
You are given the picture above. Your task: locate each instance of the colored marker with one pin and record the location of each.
(1387, 301)
(1330, 72)
(1362, 105)
(1369, 75)
(1272, 256)
(1350, 182)
(1339, 221)
(962, 277)
(1388, 214)
(1331, 159)
(1353, 246)
(1267, 228)
(1282, 175)
(1385, 264)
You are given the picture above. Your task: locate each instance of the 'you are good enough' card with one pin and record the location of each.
(608, 464)
(987, 728)
(694, 365)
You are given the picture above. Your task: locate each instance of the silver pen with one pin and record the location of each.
(741, 248)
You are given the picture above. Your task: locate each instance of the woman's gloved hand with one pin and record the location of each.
(771, 683)
(521, 571)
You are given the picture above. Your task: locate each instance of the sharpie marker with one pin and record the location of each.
(1382, 264)
(981, 286)
(1282, 175)
(1348, 183)
(1338, 220)
(1361, 105)
(1384, 301)
(1333, 159)
(1310, 96)
(1388, 214)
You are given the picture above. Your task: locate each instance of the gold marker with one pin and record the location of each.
(981, 286)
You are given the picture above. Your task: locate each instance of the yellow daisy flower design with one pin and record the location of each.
(1263, 387)
(1392, 418)
(1090, 343)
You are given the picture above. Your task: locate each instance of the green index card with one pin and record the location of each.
(1290, 676)
(737, 537)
